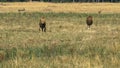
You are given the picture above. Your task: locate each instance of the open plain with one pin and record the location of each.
(67, 43)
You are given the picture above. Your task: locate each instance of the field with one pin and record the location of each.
(66, 44)
(61, 7)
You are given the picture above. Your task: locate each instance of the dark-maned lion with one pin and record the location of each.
(42, 24)
(89, 21)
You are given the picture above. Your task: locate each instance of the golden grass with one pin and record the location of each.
(66, 44)
(61, 7)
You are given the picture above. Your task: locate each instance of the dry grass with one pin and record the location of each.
(66, 44)
(61, 7)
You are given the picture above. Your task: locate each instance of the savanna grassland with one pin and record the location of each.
(66, 44)
(60, 7)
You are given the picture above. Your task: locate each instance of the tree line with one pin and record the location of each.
(61, 1)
